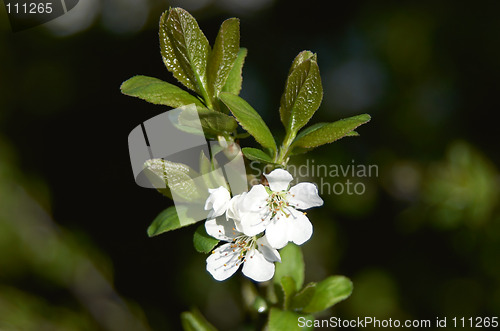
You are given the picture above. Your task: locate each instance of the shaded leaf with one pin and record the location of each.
(234, 79)
(223, 56)
(249, 119)
(158, 92)
(203, 243)
(329, 292)
(195, 321)
(303, 93)
(169, 219)
(302, 298)
(324, 133)
(184, 49)
(280, 320)
(289, 288)
(255, 154)
(292, 265)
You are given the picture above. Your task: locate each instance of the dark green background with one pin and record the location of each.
(422, 242)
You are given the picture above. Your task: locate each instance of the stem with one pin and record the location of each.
(282, 157)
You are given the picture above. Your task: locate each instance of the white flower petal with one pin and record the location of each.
(221, 229)
(255, 200)
(300, 228)
(279, 179)
(217, 201)
(257, 267)
(276, 232)
(221, 264)
(233, 207)
(271, 254)
(304, 196)
(253, 223)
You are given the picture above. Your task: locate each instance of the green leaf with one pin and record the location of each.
(280, 320)
(289, 288)
(292, 265)
(329, 292)
(303, 93)
(255, 154)
(203, 243)
(223, 56)
(158, 92)
(324, 133)
(301, 57)
(235, 78)
(178, 176)
(169, 219)
(302, 298)
(213, 123)
(195, 321)
(249, 119)
(184, 49)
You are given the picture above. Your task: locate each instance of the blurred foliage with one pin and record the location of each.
(422, 241)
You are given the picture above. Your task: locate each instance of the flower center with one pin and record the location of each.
(277, 203)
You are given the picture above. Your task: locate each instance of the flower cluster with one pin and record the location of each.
(257, 223)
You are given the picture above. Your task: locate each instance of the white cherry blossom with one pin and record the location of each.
(253, 252)
(217, 202)
(275, 210)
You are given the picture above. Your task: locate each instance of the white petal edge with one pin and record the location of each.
(221, 229)
(257, 267)
(304, 196)
(220, 265)
(279, 179)
(217, 201)
(300, 229)
(276, 232)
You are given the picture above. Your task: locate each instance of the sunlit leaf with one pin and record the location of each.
(184, 49)
(324, 133)
(223, 56)
(169, 219)
(255, 154)
(249, 119)
(329, 292)
(212, 122)
(303, 93)
(158, 92)
(234, 79)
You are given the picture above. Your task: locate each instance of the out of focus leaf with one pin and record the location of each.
(329, 292)
(324, 133)
(169, 219)
(280, 320)
(223, 56)
(184, 49)
(158, 92)
(234, 79)
(249, 119)
(195, 321)
(303, 93)
(203, 242)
